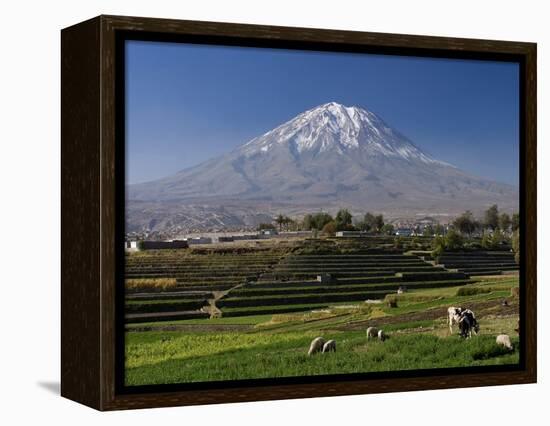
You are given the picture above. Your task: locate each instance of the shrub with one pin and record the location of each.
(472, 291)
(329, 228)
(139, 307)
(398, 242)
(472, 245)
(438, 246)
(158, 284)
(453, 241)
(494, 241)
(431, 276)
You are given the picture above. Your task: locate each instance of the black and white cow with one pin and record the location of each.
(467, 323)
(454, 316)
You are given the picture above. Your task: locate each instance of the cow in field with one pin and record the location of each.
(454, 316)
(467, 323)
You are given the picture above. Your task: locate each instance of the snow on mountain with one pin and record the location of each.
(335, 126)
(327, 157)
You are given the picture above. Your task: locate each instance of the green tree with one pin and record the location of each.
(280, 220)
(387, 229)
(363, 226)
(491, 217)
(515, 221)
(486, 241)
(499, 238)
(378, 222)
(343, 220)
(289, 223)
(263, 226)
(368, 223)
(439, 229)
(320, 220)
(428, 231)
(307, 222)
(453, 240)
(465, 223)
(516, 245)
(438, 245)
(504, 222)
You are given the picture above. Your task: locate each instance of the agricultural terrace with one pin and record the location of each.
(251, 310)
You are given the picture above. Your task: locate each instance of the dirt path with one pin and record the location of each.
(481, 309)
(211, 308)
(216, 312)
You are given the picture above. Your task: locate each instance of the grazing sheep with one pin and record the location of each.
(402, 289)
(454, 316)
(372, 332)
(392, 302)
(504, 340)
(330, 346)
(316, 345)
(381, 335)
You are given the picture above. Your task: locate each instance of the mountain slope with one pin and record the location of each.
(327, 157)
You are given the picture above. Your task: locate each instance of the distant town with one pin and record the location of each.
(343, 224)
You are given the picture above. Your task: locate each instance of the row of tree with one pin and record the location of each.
(467, 224)
(454, 241)
(343, 221)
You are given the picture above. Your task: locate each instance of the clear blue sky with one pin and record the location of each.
(188, 103)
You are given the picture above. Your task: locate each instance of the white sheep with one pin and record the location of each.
(381, 335)
(504, 340)
(316, 345)
(329, 346)
(372, 332)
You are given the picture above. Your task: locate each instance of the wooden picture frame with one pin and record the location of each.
(92, 158)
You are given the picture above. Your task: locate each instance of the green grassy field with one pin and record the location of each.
(155, 358)
(276, 345)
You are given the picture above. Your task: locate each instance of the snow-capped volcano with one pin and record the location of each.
(328, 157)
(333, 126)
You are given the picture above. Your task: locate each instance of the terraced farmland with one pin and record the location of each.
(309, 275)
(313, 281)
(196, 281)
(226, 313)
(480, 262)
